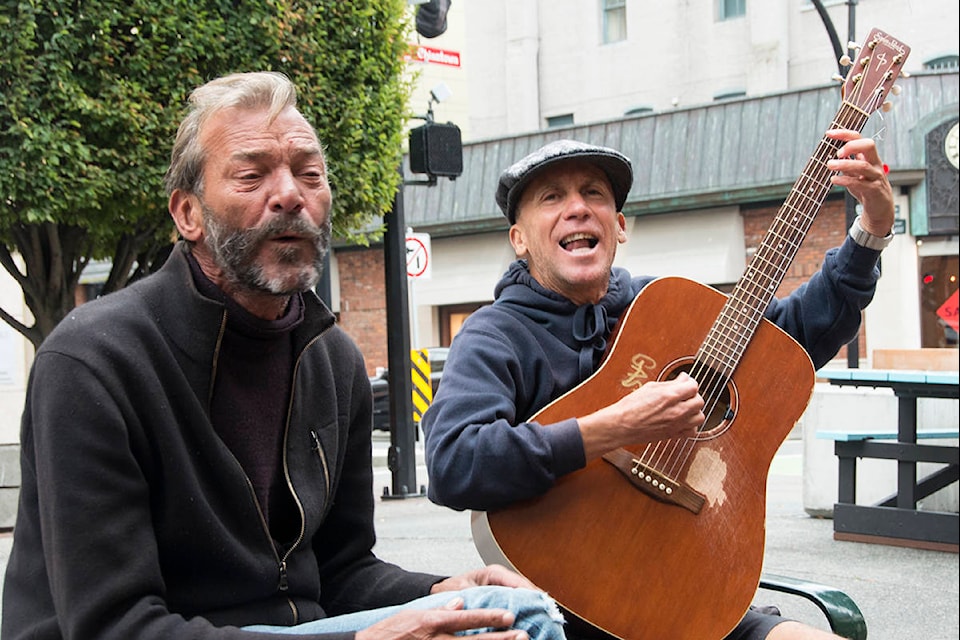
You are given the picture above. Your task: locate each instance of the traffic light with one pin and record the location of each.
(436, 149)
(432, 18)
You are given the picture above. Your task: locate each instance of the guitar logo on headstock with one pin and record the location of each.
(877, 67)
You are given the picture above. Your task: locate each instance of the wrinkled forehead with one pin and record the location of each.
(247, 130)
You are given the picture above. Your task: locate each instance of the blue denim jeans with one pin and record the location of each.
(535, 613)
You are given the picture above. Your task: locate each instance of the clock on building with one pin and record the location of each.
(943, 197)
(951, 145)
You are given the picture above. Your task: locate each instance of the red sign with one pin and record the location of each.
(421, 53)
(418, 255)
(948, 311)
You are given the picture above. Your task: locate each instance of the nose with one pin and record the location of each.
(576, 206)
(286, 196)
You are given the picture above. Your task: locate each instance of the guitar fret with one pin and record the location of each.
(743, 311)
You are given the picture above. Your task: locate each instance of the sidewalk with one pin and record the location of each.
(905, 594)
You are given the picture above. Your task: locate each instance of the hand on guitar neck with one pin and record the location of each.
(667, 410)
(860, 170)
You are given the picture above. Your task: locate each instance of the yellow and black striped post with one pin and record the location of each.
(422, 385)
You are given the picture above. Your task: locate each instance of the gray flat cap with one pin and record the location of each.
(515, 179)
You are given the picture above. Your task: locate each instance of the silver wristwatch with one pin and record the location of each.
(868, 240)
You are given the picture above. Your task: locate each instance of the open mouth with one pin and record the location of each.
(579, 242)
(289, 238)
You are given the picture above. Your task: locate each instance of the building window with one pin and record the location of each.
(728, 9)
(614, 20)
(941, 63)
(452, 318)
(638, 110)
(938, 282)
(729, 94)
(560, 121)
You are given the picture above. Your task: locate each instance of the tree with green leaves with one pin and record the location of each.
(93, 90)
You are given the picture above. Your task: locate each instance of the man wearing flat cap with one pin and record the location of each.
(555, 310)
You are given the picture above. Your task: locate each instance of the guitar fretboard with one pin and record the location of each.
(738, 321)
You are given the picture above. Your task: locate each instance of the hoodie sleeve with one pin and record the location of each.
(824, 313)
(480, 451)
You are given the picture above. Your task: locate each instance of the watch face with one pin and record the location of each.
(951, 146)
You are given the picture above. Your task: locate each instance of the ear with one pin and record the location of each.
(516, 239)
(621, 228)
(187, 214)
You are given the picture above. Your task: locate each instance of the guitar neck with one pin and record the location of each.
(865, 88)
(737, 322)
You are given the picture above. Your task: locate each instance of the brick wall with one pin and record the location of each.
(363, 304)
(828, 230)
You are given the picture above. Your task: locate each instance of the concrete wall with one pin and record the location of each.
(16, 353)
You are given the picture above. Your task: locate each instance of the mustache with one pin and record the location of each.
(240, 241)
(281, 226)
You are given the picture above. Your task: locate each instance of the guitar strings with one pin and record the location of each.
(741, 315)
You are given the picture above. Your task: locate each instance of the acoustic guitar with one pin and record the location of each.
(666, 540)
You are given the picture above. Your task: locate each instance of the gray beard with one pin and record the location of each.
(235, 252)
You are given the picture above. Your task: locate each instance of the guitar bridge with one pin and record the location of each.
(653, 483)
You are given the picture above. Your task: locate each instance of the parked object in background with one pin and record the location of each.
(381, 387)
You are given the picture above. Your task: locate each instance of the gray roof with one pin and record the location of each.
(735, 151)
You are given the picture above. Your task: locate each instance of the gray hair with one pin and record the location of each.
(254, 90)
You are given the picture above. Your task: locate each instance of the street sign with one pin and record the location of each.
(418, 255)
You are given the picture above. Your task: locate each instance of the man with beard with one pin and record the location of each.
(196, 447)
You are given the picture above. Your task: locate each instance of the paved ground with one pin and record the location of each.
(905, 594)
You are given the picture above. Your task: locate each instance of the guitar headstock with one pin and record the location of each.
(876, 68)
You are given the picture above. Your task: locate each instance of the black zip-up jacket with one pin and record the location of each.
(135, 520)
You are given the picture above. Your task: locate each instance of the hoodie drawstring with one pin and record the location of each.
(590, 330)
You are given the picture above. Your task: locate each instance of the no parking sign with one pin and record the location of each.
(418, 255)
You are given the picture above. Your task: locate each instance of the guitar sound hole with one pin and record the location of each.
(715, 389)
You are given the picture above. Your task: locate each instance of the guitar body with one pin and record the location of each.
(633, 565)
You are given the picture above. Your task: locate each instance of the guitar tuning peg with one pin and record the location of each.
(845, 60)
(896, 90)
(852, 46)
(837, 77)
(886, 107)
(904, 74)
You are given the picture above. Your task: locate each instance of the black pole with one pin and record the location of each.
(850, 203)
(838, 49)
(401, 458)
(852, 20)
(853, 348)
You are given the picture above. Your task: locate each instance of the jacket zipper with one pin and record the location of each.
(323, 459)
(283, 580)
(253, 494)
(284, 584)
